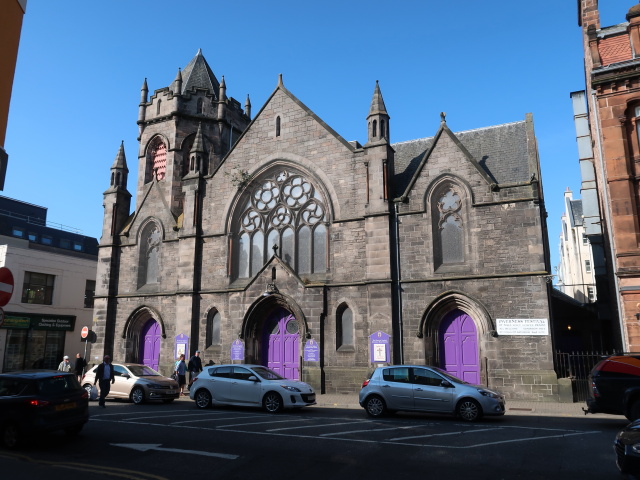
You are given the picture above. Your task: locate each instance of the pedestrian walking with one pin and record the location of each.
(195, 367)
(180, 370)
(104, 377)
(65, 365)
(79, 366)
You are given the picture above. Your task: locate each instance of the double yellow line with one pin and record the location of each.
(83, 467)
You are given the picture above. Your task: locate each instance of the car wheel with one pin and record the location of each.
(272, 402)
(375, 406)
(73, 430)
(87, 387)
(202, 398)
(11, 436)
(469, 410)
(137, 395)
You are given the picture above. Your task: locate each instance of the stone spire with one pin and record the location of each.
(119, 169)
(378, 118)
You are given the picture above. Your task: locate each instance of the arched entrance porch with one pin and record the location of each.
(144, 333)
(273, 330)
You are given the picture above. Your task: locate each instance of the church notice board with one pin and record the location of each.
(522, 326)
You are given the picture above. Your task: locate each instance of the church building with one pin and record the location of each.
(273, 240)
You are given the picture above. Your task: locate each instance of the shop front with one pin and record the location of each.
(34, 340)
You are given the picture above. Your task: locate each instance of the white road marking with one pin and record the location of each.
(217, 419)
(444, 434)
(311, 426)
(370, 430)
(143, 447)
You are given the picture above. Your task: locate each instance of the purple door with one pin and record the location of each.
(459, 346)
(150, 344)
(281, 344)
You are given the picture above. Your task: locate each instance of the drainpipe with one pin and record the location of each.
(398, 285)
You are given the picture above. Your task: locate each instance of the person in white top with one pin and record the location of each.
(65, 365)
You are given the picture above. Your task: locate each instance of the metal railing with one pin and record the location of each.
(576, 366)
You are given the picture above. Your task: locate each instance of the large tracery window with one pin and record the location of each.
(448, 225)
(149, 255)
(286, 210)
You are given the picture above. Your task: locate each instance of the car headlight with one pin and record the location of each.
(489, 393)
(153, 385)
(291, 389)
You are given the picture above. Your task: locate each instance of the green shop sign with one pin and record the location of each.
(39, 322)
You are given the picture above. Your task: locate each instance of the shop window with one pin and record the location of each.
(344, 328)
(286, 210)
(89, 293)
(213, 328)
(587, 266)
(37, 288)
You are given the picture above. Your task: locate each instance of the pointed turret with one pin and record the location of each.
(197, 153)
(247, 107)
(378, 118)
(177, 84)
(142, 108)
(119, 170)
(223, 99)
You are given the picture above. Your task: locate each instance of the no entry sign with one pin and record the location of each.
(84, 333)
(6, 286)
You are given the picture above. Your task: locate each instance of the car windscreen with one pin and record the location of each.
(448, 376)
(267, 373)
(142, 371)
(58, 384)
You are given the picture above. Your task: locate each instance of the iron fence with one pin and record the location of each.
(576, 366)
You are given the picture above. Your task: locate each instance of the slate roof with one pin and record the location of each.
(198, 74)
(500, 150)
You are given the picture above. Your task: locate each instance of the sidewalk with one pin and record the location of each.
(514, 407)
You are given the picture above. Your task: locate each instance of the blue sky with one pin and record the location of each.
(81, 65)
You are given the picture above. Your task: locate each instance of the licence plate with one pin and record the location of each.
(171, 392)
(65, 406)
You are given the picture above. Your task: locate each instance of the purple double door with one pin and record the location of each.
(281, 344)
(459, 346)
(150, 338)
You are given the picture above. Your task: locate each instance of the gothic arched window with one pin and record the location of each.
(213, 328)
(286, 210)
(344, 327)
(448, 225)
(156, 160)
(149, 255)
(277, 126)
(199, 107)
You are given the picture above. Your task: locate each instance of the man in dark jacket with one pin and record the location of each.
(194, 367)
(79, 367)
(105, 377)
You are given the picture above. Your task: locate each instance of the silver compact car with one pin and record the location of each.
(249, 385)
(138, 383)
(427, 389)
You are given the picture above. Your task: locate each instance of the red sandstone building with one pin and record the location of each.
(612, 67)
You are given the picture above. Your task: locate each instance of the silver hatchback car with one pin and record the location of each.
(427, 389)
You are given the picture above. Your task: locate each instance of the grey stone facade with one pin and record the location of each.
(373, 247)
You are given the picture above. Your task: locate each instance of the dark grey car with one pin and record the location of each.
(427, 389)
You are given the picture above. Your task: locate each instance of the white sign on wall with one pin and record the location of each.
(522, 326)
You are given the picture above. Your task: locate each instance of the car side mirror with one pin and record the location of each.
(446, 384)
(253, 378)
(126, 375)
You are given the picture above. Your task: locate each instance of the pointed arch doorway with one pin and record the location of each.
(459, 353)
(281, 343)
(150, 342)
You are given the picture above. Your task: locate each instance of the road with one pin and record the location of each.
(179, 441)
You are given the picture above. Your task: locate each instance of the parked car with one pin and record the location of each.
(427, 389)
(627, 448)
(615, 387)
(249, 385)
(137, 383)
(37, 401)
